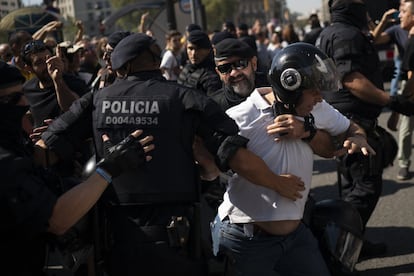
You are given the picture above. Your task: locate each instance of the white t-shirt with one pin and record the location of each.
(169, 62)
(246, 202)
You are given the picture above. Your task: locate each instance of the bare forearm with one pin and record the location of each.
(75, 203)
(65, 96)
(255, 171)
(322, 144)
(365, 90)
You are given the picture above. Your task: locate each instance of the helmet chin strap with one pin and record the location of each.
(280, 108)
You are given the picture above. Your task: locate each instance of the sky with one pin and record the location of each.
(304, 6)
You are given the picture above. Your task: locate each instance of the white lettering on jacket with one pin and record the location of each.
(131, 107)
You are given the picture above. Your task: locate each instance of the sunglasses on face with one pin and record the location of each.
(33, 46)
(11, 99)
(237, 65)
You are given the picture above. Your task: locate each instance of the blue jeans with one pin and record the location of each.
(264, 254)
(395, 81)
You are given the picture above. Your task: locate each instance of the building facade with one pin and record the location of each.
(6, 6)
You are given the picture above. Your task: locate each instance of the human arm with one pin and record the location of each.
(70, 129)
(292, 128)
(65, 96)
(79, 32)
(254, 169)
(75, 203)
(46, 29)
(142, 28)
(378, 34)
(362, 88)
(354, 140)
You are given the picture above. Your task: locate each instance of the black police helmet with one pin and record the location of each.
(301, 66)
(338, 227)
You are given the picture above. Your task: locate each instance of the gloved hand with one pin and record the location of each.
(127, 155)
(401, 104)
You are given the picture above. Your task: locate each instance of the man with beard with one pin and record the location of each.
(51, 92)
(236, 64)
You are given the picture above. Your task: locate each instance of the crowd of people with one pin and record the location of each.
(122, 157)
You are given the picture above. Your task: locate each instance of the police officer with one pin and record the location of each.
(153, 226)
(361, 99)
(199, 72)
(30, 206)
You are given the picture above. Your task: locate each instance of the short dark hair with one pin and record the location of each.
(32, 47)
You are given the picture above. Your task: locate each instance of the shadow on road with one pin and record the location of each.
(406, 269)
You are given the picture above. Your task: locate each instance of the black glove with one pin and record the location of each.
(127, 155)
(401, 104)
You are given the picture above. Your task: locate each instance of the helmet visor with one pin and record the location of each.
(321, 75)
(343, 245)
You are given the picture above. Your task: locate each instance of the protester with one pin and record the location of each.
(170, 63)
(137, 215)
(260, 230)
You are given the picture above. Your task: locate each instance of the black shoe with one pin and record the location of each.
(371, 250)
(403, 174)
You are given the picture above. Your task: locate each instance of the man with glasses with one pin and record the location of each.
(236, 64)
(258, 228)
(139, 212)
(31, 208)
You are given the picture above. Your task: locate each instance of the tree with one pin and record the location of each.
(218, 11)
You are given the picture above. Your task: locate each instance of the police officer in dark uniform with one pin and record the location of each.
(361, 99)
(151, 216)
(199, 72)
(32, 208)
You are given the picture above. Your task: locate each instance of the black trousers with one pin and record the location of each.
(361, 178)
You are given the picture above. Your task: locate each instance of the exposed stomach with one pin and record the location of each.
(280, 228)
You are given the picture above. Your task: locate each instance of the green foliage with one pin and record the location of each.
(218, 11)
(130, 21)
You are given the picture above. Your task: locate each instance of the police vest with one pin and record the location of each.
(190, 76)
(339, 40)
(156, 107)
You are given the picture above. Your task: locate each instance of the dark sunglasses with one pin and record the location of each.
(33, 46)
(11, 99)
(237, 65)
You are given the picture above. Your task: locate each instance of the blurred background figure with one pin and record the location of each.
(171, 59)
(5, 52)
(315, 29)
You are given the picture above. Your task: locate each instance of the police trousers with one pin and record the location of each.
(361, 178)
(139, 244)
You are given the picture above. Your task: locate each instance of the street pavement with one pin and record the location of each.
(392, 221)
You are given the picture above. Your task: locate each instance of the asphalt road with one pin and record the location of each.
(392, 221)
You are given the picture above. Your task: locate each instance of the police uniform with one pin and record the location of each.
(26, 202)
(200, 76)
(139, 206)
(352, 51)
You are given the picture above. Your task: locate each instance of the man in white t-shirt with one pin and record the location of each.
(260, 229)
(170, 63)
